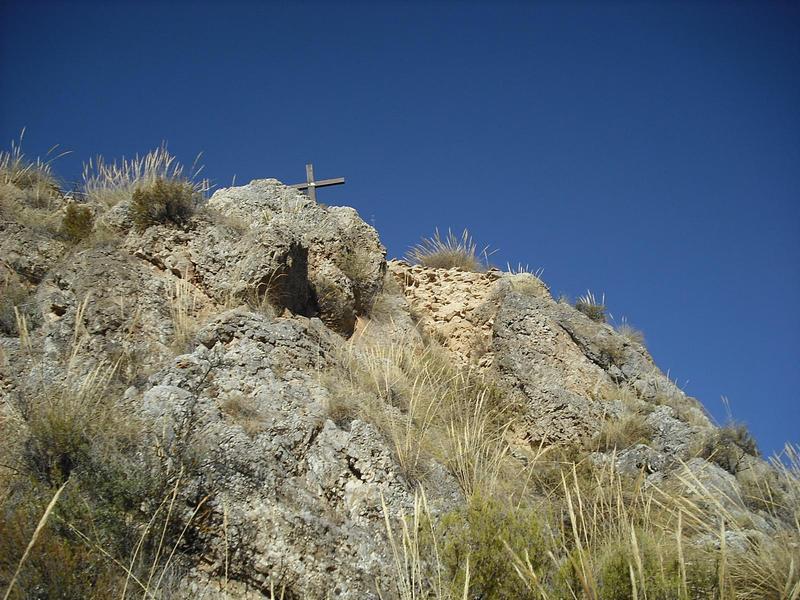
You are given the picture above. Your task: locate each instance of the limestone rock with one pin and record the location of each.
(539, 362)
(29, 253)
(302, 498)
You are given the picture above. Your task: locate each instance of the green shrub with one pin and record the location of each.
(77, 223)
(593, 309)
(109, 511)
(450, 252)
(165, 201)
(486, 533)
(655, 569)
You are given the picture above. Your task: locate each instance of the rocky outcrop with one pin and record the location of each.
(301, 498)
(264, 243)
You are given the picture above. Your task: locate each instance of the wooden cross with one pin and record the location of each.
(311, 186)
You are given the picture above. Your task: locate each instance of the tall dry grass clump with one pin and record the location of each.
(592, 307)
(30, 194)
(35, 176)
(109, 183)
(450, 252)
(425, 406)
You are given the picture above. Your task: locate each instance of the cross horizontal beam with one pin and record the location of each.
(320, 183)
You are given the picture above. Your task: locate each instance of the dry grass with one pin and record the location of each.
(17, 303)
(424, 405)
(631, 334)
(599, 537)
(34, 176)
(593, 308)
(623, 432)
(108, 183)
(245, 412)
(187, 311)
(450, 252)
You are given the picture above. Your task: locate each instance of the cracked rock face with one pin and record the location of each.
(301, 497)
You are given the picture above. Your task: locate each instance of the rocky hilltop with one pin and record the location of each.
(250, 401)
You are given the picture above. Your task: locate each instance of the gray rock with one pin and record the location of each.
(638, 458)
(29, 253)
(270, 243)
(345, 259)
(302, 498)
(539, 363)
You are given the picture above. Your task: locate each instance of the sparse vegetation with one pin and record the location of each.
(185, 309)
(449, 252)
(33, 176)
(425, 406)
(593, 308)
(727, 446)
(631, 334)
(88, 506)
(16, 303)
(108, 183)
(528, 284)
(77, 223)
(244, 411)
(163, 202)
(596, 537)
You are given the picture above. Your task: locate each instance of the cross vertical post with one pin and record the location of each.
(312, 191)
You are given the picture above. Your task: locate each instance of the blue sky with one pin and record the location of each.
(648, 151)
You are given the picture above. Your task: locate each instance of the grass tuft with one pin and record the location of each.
(449, 252)
(593, 308)
(35, 176)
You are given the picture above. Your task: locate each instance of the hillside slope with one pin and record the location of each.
(250, 402)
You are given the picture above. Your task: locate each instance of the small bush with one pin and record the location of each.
(593, 309)
(77, 223)
(80, 434)
(165, 201)
(450, 252)
(728, 445)
(484, 534)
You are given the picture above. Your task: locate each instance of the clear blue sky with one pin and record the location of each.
(650, 151)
